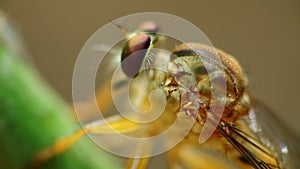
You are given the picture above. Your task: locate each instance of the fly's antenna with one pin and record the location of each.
(121, 26)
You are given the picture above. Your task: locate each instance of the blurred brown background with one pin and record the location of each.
(263, 35)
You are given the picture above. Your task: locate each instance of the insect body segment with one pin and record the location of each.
(194, 55)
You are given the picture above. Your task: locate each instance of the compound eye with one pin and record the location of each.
(139, 42)
(149, 26)
(134, 53)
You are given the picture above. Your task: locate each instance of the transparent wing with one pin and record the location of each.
(271, 133)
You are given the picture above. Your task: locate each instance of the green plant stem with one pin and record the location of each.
(33, 116)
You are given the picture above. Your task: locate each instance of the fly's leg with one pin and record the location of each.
(140, 157)
(56, 149)
(109, 125)
(137, 163)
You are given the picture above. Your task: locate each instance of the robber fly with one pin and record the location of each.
(245, 137)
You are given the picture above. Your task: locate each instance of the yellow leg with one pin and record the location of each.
(57, 148)
(110, 125)
(143, 150)
(137, 163)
